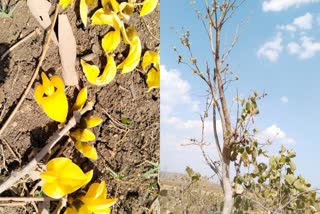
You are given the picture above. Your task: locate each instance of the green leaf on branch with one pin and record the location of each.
(290, 179)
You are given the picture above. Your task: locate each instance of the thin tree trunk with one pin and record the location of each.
(227, 187)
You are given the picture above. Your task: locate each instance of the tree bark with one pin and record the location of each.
(227, 129)
(227, 187)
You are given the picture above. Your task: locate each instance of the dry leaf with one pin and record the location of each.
(40, 10)
(67, 51)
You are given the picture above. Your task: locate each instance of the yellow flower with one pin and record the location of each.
(150, 57)
(83, 134)
(92, 72)
(65, 3)
(153, 76)
(81, 99)
(111, 40)
(84, 4)
(133, 58)
(95, 201)
(109, 16)
(101, 17)
(63, 177)
(51, 97)
(123, 10)
(148, 7)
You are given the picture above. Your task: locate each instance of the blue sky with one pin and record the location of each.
(278, 52)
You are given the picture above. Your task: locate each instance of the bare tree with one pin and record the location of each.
(239, 144)
(216, 15)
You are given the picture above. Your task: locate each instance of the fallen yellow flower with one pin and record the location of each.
(100, 17)
(63, 177)
(83, 134)
(65, 3)
(81, 99)
(106, 17)
(92, 72)
(133, 58)
(150, 57)
(87, 150)
(95, 201)
(111, 40)
(123, 10)
(153, 75)
(148, 7)
(51, 97)
(84, 4)
(153, 78)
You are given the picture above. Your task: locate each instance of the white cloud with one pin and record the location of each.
(293, 48)
(274, 134)
(300, 23)
(271, 49)
(192, 124)
(280, 5)
(175, 91)
(288, 27)
(307, 49)
(304, 22)
(284, 99)
(318, 20)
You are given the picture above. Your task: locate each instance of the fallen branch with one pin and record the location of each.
(13, 204)
(51, 142)
(26, 199)
(35, 74)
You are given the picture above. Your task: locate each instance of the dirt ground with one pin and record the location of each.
(180, 195)
(126, 150)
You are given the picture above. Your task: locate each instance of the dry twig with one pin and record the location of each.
(35, 32)
(51, 142)
(35, 74)
(26, 199)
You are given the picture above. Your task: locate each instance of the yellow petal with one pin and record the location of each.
(65, 3)
(47, 86)
(84, 12)
(111, 40)
(69, 210)
(87, 150)
(68, 177)
(92, 121)
(108, 73)
(126, 10)
(153, 79)
(133, 58)
(57, 82)
(148, 7)
(97, 190)
(81, 99)
(90, 71)
(110, 5)
(56, 106)
(38, 94)
(100, 17)
(149, 58)
(99, 204)
(83, 135)
(84, 210)
(91, 3)
(118, 24)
